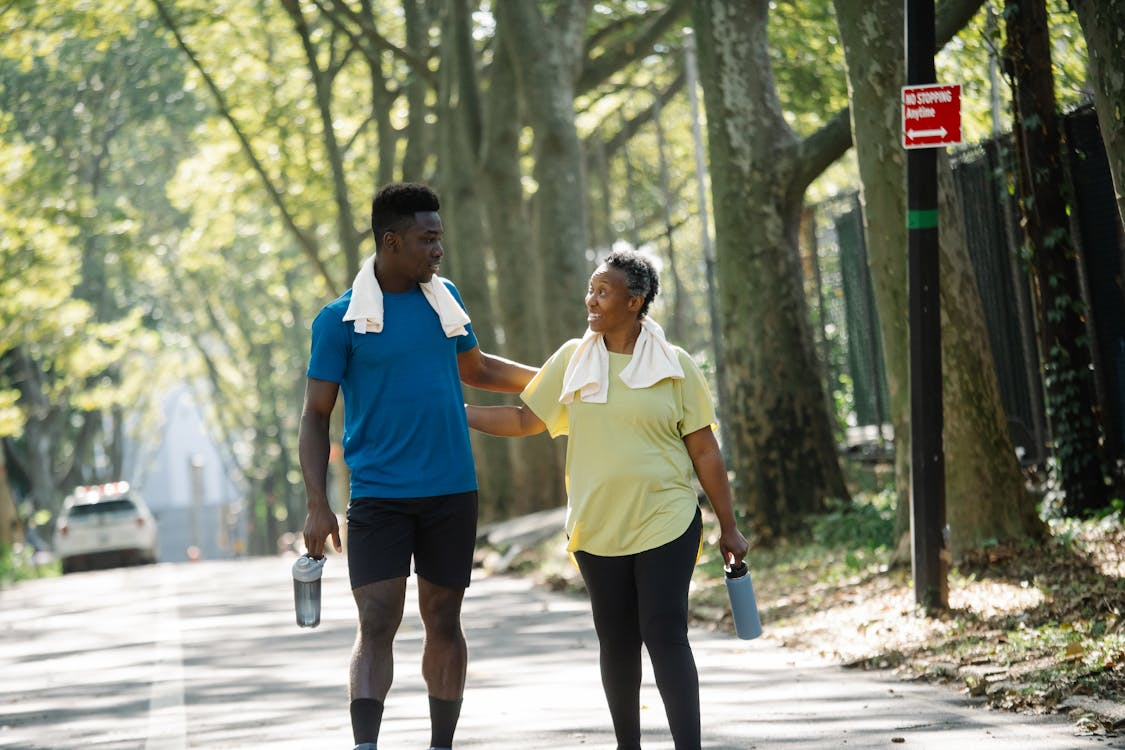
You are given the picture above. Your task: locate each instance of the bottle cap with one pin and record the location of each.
(736, 571)
(307, 569)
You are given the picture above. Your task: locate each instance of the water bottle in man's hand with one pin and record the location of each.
(743, 604)
(306, 590)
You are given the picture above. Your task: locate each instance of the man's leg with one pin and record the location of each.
(443, 559)
(445, 657)
(371, 671)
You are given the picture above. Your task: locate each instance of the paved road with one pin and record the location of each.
(207, 656)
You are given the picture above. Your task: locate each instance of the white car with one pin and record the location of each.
(104, 525)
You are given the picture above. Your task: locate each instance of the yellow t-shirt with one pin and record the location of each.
(628, 473)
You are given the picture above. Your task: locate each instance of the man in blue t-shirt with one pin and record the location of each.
(399, 345)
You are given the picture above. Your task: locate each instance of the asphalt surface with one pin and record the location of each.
(208, 656)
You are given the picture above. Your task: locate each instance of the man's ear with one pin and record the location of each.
(390, 240)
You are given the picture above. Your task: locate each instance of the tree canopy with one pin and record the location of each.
(186, 183)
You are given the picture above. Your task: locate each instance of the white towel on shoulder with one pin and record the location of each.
(587, 374)
(366, 305)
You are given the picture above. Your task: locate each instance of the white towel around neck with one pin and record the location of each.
(587, 374)
(366, 305)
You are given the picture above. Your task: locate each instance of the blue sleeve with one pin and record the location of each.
(469, 341)
(328, 359)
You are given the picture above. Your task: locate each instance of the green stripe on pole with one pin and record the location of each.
(921, 219)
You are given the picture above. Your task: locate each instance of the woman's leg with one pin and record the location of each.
(613, 600)
(663, 576)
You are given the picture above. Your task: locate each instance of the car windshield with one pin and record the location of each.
(119, 505)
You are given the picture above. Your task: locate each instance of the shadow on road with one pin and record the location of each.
(208, 655)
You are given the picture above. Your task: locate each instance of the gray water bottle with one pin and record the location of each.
(743, 604)
(306, 590)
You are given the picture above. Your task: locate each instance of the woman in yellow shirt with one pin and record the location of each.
(639, 416)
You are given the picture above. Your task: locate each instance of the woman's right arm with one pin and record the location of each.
(504, 421)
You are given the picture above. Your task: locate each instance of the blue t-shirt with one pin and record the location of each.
(405, 430)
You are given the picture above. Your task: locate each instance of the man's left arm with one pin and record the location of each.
(491, 373)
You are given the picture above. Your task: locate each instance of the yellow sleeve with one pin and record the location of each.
(542, 394)
(697, 404)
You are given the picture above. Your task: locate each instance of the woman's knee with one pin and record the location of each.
(665, 628)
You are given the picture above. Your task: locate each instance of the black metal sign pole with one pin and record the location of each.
(927, 477)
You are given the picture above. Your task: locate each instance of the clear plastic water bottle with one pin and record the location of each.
(306, 590)
(743, 603)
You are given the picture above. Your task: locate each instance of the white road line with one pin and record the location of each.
(167, 725)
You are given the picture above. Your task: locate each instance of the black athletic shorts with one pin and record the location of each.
(438, 532)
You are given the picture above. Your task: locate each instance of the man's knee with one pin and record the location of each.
(440, 607)
(380, 606)
(374, 630)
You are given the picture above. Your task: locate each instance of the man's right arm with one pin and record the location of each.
(489, 372)
(313, 448)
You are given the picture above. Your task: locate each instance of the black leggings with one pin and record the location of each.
(643, 598)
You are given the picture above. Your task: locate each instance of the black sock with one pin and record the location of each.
(443, 721)
(367, 715)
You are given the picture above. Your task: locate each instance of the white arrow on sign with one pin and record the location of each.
(939, 133)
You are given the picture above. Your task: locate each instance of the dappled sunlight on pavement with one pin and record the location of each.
(208, 656)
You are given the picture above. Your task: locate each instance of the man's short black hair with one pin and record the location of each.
(394, 207)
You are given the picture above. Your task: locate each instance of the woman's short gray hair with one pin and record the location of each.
(641, 277)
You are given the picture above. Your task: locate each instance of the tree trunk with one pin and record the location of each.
(673, 286)
(418, 147)
(322, 81)
(873, 53)
(1103, 25)
(985, 496)
(459, 137)
(537, 463)
(986, 499)
(548, 52)
(783, 454)
(41, 433)
(1064, 344)
(599, 200)
(10, 529)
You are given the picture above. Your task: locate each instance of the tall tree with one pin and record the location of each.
(1064, 340)
(783, 451)
(460, 126)
(760, 170)
(323, 141)
(549, 46)
(561, 54)
(538, 236)
(351, 66)
(11, 530)
(94, 119)
(1102, 24)
(985, 494)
